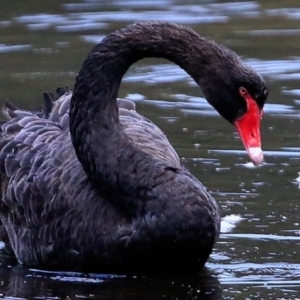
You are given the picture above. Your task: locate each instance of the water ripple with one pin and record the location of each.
(290, 13)
(289, 154)
(262, 237)
(280, 69)
(266, 275)
(14, 48)
(270, 32)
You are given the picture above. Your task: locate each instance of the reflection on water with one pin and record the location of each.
(43, 47)
(22, 283)
(13, 48)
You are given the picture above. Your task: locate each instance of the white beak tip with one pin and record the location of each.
(256, 155)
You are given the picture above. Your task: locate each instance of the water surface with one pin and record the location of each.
(42, 46)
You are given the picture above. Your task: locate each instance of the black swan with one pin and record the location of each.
(98, 186)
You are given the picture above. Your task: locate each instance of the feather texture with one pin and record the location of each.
(90, 184)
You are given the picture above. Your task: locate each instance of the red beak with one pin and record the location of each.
(248, 127)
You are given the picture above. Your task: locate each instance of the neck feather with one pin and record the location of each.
(108, 157)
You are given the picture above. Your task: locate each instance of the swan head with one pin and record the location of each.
(238, 93)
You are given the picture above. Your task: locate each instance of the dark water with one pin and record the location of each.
(42, 46)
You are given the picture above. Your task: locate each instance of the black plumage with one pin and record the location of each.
(98, 186)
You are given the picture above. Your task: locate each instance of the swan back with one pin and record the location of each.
(144, 134)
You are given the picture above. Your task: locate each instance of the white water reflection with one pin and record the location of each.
(73, 276)
(263, 237)
(282, 69)
(80, 25)
(60, 23)
(265, 275)
(289, 154)
(290, 13)
(14, 48)
(170, 16)
(41, 18)
(93, 39)
(298, 180)
(293, 92)
(204, 12)
(164, 10)
(270, 32)
(89, 4)
(99, 20)
(229, 222)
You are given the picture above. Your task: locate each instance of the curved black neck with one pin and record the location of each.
(94, 123)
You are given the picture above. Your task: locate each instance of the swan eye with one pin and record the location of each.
(243, 91)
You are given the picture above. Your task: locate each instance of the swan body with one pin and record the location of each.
(93, 185)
